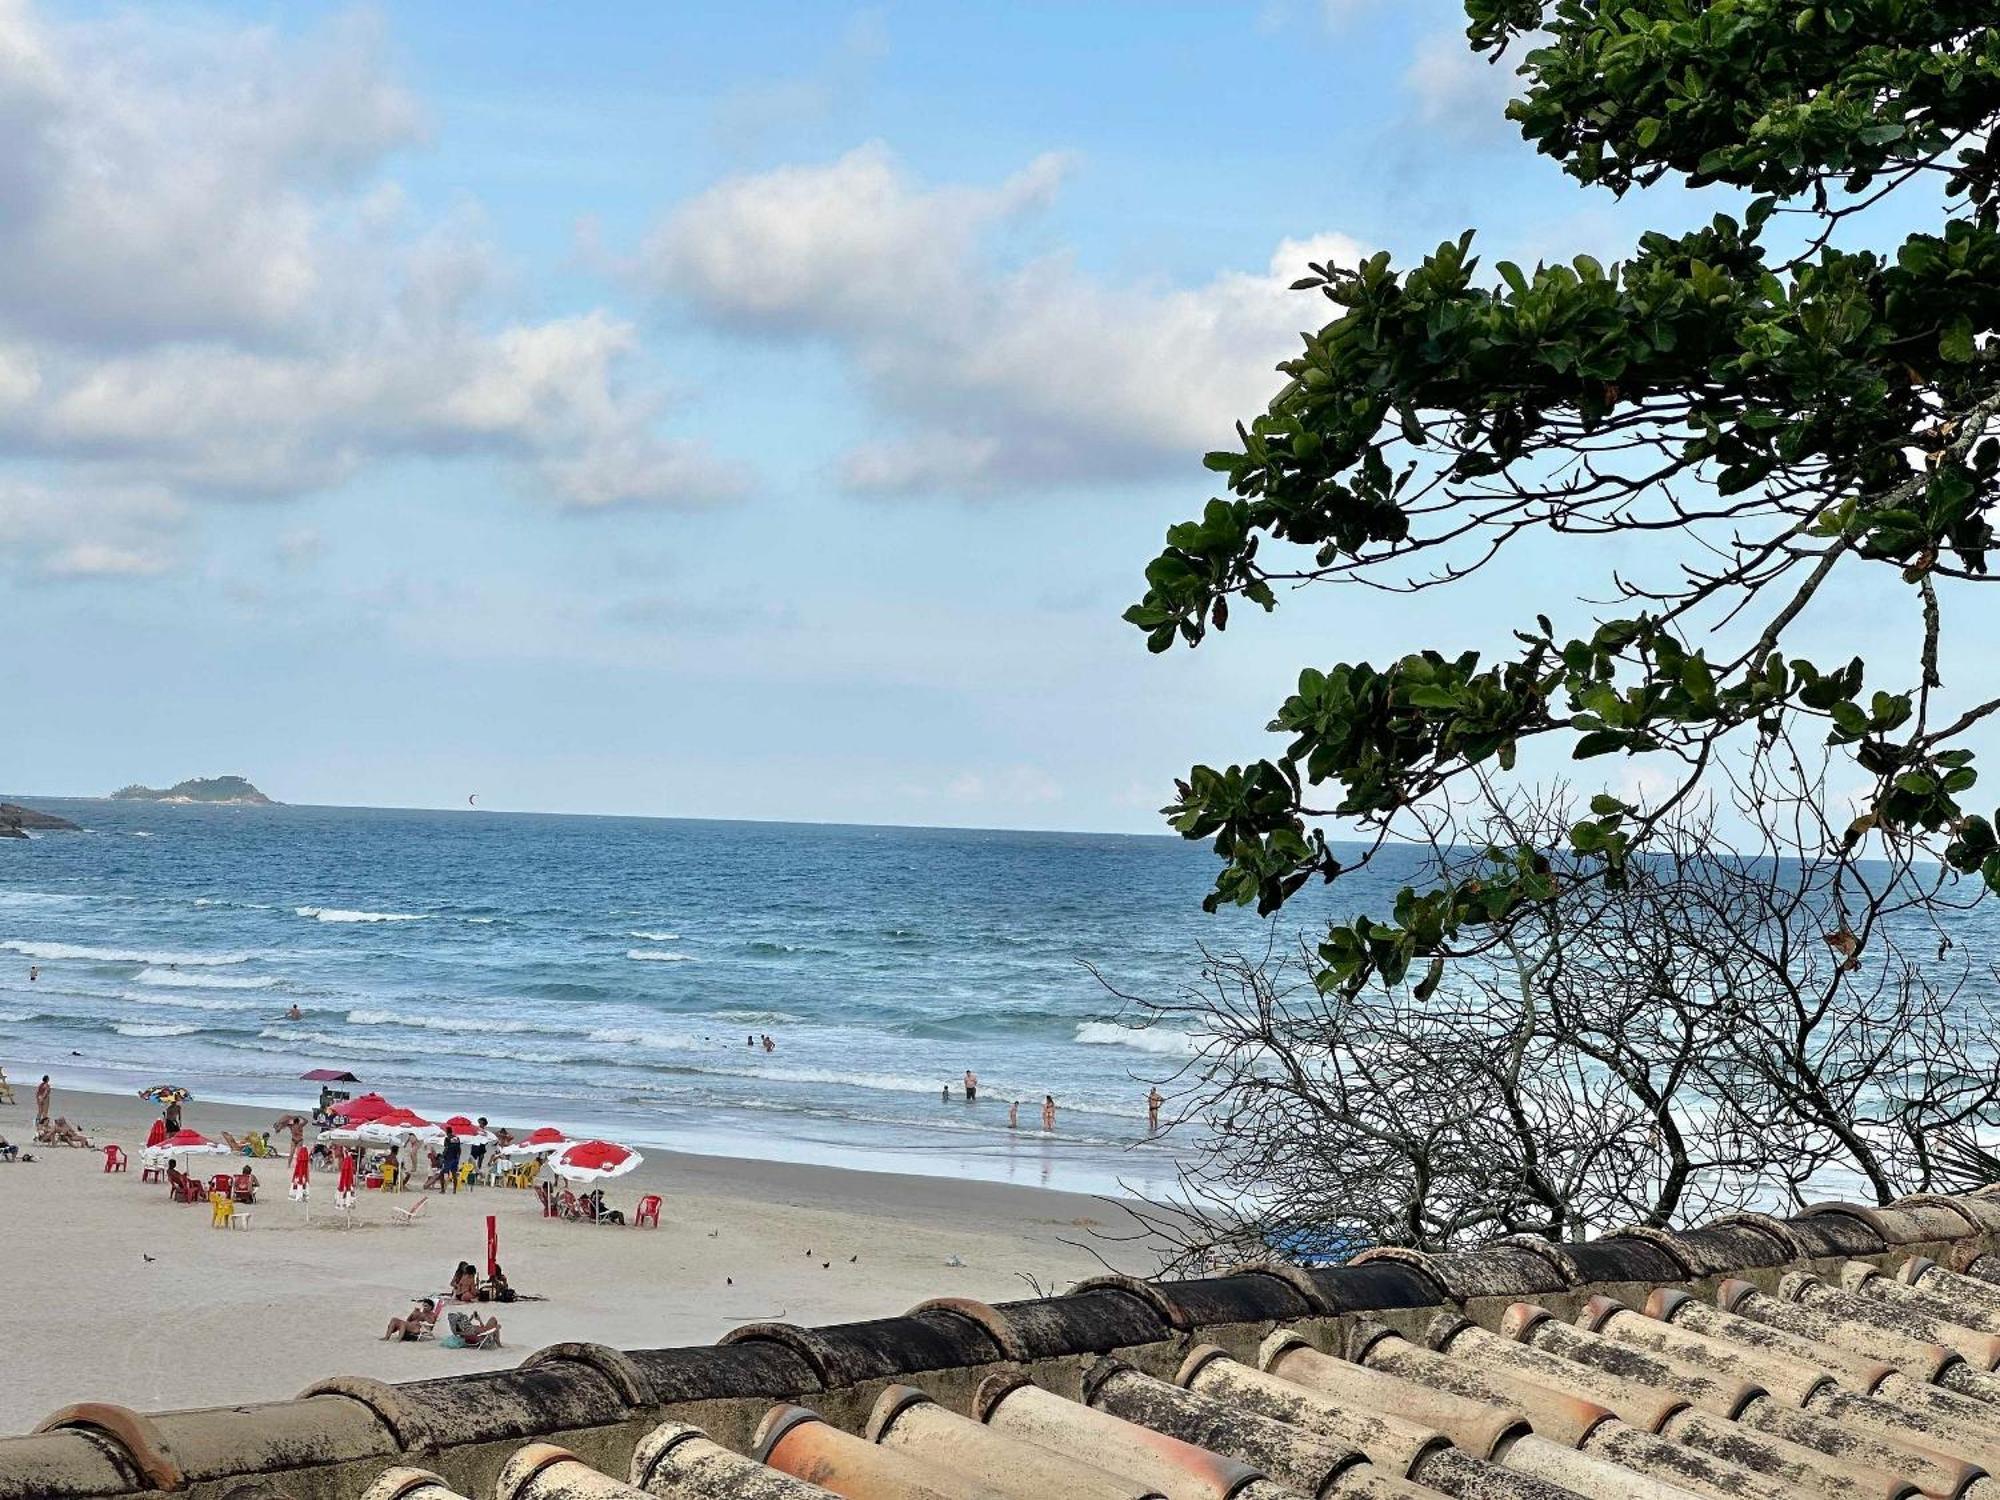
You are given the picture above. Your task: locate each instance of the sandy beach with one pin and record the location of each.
(118, 1294)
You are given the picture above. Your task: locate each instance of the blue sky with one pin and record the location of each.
(750, 410)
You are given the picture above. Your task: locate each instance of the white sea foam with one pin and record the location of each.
(1153, 1039)
(192, 1002)
(670, 1041)
(759, 1017)
(465, 1025)
(658, 956)
(153, 1028)
(174, 979)
(53, 951)
(36, 898)
(656, 937)
(343, 914)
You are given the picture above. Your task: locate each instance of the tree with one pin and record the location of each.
(1782, 414)
(1730, 1025)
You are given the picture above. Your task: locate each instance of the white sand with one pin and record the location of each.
(221, 1317)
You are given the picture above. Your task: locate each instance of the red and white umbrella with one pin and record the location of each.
(467, 1131)
(593, 1161)
(187, 1143)
(343, 1192)
(536, 1143)
(366, 1107)
(301, 1175)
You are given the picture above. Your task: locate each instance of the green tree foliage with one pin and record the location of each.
(1772, 409)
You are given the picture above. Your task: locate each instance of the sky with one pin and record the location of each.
(750, 410)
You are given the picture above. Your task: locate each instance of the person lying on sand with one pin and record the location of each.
(416, 1325)
(60, 1132)
(8, 1150)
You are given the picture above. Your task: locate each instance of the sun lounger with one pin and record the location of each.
(411, 1214)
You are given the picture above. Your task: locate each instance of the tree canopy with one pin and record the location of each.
(1780, 407)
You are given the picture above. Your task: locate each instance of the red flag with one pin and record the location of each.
(492, 1246)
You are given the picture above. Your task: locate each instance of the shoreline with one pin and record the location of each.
(181, 1314)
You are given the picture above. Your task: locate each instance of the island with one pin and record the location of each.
(231, 791)
(16, 820)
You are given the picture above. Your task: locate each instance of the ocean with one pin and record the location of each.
(603, 974)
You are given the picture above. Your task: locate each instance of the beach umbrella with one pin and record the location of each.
(397, 1126)
(343, 1191)
(536, 1143)
(467, 1131)
(301, 1175)
(187, 1143)
(164, 1094)
(366, 1107)
(342, 1135)
(592, 1161)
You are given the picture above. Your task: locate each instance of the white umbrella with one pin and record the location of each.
(382, 1133)
(593, 1161)
(342, 1135)
(186, 1143)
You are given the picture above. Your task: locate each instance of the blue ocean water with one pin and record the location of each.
(604, 973)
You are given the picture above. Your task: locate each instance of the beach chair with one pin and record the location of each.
(411, 1214)
(566, 1205)
(183, 1188)
(115, 1159)
(223, 1183)
(221, 1209)
(244, 1193)
(648, 1212)
(152, 1172)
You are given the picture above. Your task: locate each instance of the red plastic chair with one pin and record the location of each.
(648, 1211)
(223, 1183)
(114, 1159)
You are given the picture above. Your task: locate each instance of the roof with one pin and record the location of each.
(329, 1075)
(1844, 1352)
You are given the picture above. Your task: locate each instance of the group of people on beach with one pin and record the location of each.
(970, 1084)
(468, 1329)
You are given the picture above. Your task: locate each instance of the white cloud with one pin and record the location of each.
(73, 533)
(1456, 90)
(996, 374)
(208, 282)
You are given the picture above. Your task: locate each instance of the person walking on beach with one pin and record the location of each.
(1153, 1102)
(1014, 1115)
(42, 1092)
(479, 1149)
(971, 1086)
(1049, 1112)
(172, 1115)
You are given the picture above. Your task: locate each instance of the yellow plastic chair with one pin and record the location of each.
(388, 1173)
(465, 1170)
(221, 1209)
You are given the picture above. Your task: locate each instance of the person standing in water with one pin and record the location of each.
(34, 973)
(1049, 1112)
(971, 1086)
(42, 1095)
(1014, 1115)
(1153, 1102)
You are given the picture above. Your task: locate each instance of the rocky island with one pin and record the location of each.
(16, 820)
(224, 790)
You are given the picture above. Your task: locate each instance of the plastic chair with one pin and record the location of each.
(411, 1214)
(223, 1183)
(648, 1211)
(114, 1159)
(221, 1209)
(152, 1173)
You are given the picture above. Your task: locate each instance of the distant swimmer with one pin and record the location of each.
(971, 1086)
(1048, 1112)
(295, 1014)
(1014, 1115)
(34, 973)
(750, 1042)
(769, 1045)
(1153, 1102)
(945, 1093)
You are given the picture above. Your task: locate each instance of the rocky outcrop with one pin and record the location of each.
(15, 820)
(227, 790)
